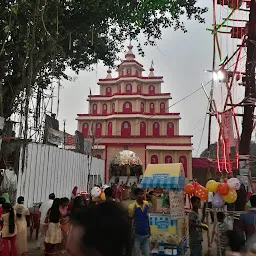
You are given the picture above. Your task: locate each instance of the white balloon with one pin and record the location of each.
(95, 192)
(234, 183)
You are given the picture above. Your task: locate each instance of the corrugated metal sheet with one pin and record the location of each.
(49, 169)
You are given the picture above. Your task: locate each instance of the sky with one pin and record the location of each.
(181, 59)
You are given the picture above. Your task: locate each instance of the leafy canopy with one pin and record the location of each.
(40, 39)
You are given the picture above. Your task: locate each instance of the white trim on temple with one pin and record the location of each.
(130, 96)
(131, 78)
(169, 147)
(91, 117)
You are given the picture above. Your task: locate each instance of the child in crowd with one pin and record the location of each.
(195, 228)
(223, 241)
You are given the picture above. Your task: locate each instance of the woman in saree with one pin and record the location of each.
(64, 221)
(53, 236)
(21, 221)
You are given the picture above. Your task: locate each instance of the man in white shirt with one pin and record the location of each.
(46, 205)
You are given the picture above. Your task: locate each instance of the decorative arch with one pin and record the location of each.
(184, 161)
(151, 90)
(170, 129)
(85, 129)
(110, 129)
(162, 107)
(108, 91)
(126, 129)
(152, 108)
(143, 129)
(128, 88)
(154, 159)
(142, 108)
(168, 159)
(94, 109)
(98, 131)
(156, 129)
(127, 107)
(104, 109)
(139, 88)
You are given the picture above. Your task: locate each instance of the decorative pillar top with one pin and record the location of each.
(109, 75)
(130, 55)
(151, 74)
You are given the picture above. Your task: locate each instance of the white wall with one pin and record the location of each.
(49, 169)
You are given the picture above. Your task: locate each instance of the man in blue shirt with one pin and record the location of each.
(138, 210)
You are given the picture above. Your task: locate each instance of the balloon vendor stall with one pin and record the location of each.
(224, 196)
(168, 225)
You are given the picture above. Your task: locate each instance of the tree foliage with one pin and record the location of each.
(40, 39)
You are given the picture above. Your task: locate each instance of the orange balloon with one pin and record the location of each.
(201, 192)
(189, 189)
(195, 184)
(223, 189)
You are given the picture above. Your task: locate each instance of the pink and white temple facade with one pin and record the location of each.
(132, 113)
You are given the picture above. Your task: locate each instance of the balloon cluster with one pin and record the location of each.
(224, 192)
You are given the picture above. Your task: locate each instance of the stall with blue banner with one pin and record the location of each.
(168, 225)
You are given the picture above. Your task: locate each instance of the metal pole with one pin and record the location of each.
(248, 118)
(250, 90)
(212, 87)
(64, 133)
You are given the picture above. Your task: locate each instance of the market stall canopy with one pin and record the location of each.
(168, 176)
(126, 157)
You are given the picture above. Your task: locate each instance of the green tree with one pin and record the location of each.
(40, 39)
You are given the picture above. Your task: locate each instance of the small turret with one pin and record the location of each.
(109, 75)
(130, 55)
(151, 73)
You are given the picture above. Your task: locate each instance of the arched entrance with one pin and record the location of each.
(125, 164)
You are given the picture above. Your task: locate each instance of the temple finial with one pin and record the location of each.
(151, 74)
(130, 55)
(109, 75)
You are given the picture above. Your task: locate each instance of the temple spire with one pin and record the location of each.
(129, 55)
(151, 73)
(109, 75)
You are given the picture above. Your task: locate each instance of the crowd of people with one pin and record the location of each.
(68, 226)
(83, 226)
(64, 222)
(13, 227)
(238, 241)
